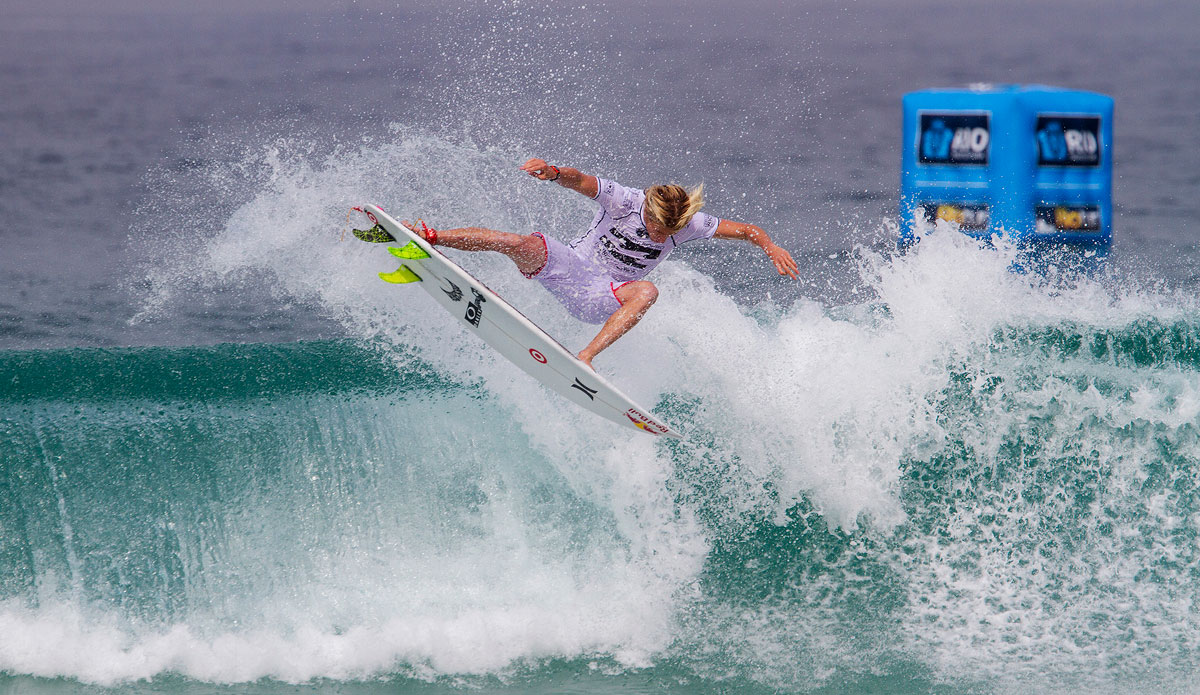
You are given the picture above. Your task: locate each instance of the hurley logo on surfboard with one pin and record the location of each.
(589, 392)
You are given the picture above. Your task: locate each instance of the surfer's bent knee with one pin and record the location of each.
(642, 290)
(530, 254)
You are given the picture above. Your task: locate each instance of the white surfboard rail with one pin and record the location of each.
(497, 323)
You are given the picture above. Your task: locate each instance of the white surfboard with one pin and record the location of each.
(497, 323)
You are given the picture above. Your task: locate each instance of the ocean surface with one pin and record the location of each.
(233, 461)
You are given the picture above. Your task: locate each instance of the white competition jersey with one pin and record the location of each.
(618, 240)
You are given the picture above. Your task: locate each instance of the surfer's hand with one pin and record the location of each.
(783, 261)
(538, 168)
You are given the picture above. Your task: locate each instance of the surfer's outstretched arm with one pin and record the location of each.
(567, 177)
(728, 229)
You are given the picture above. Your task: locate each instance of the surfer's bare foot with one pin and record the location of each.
(586, 359)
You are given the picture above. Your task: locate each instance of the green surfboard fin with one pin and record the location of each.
(410, 251)
(400, 276)
(374, 235)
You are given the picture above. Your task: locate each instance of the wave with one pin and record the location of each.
(969, 476)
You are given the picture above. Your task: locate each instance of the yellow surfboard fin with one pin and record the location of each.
(400, 276)
(410, 251)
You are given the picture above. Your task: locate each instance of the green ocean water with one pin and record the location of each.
(339, 516)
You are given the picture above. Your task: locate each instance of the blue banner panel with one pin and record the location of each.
(1030, 162)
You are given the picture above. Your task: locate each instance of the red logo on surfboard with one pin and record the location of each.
(368, 213)
(644, 422)
(537, 355)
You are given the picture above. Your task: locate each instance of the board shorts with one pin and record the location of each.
(585, 289)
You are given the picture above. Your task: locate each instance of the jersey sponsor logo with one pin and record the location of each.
(584, 389)
(628, 244)
(1067, 218)
(1068, 141)
(628, 260)
(644, 422)
(954, 138)
(971, 217)
(627, 251)
(474, 309)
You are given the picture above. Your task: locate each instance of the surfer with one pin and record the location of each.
(598, 277)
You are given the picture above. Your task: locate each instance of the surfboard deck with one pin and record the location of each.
(508, 331)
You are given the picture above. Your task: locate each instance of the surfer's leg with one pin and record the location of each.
(527, 251)
(636, 299)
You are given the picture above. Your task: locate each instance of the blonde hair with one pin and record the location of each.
(672, 206)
